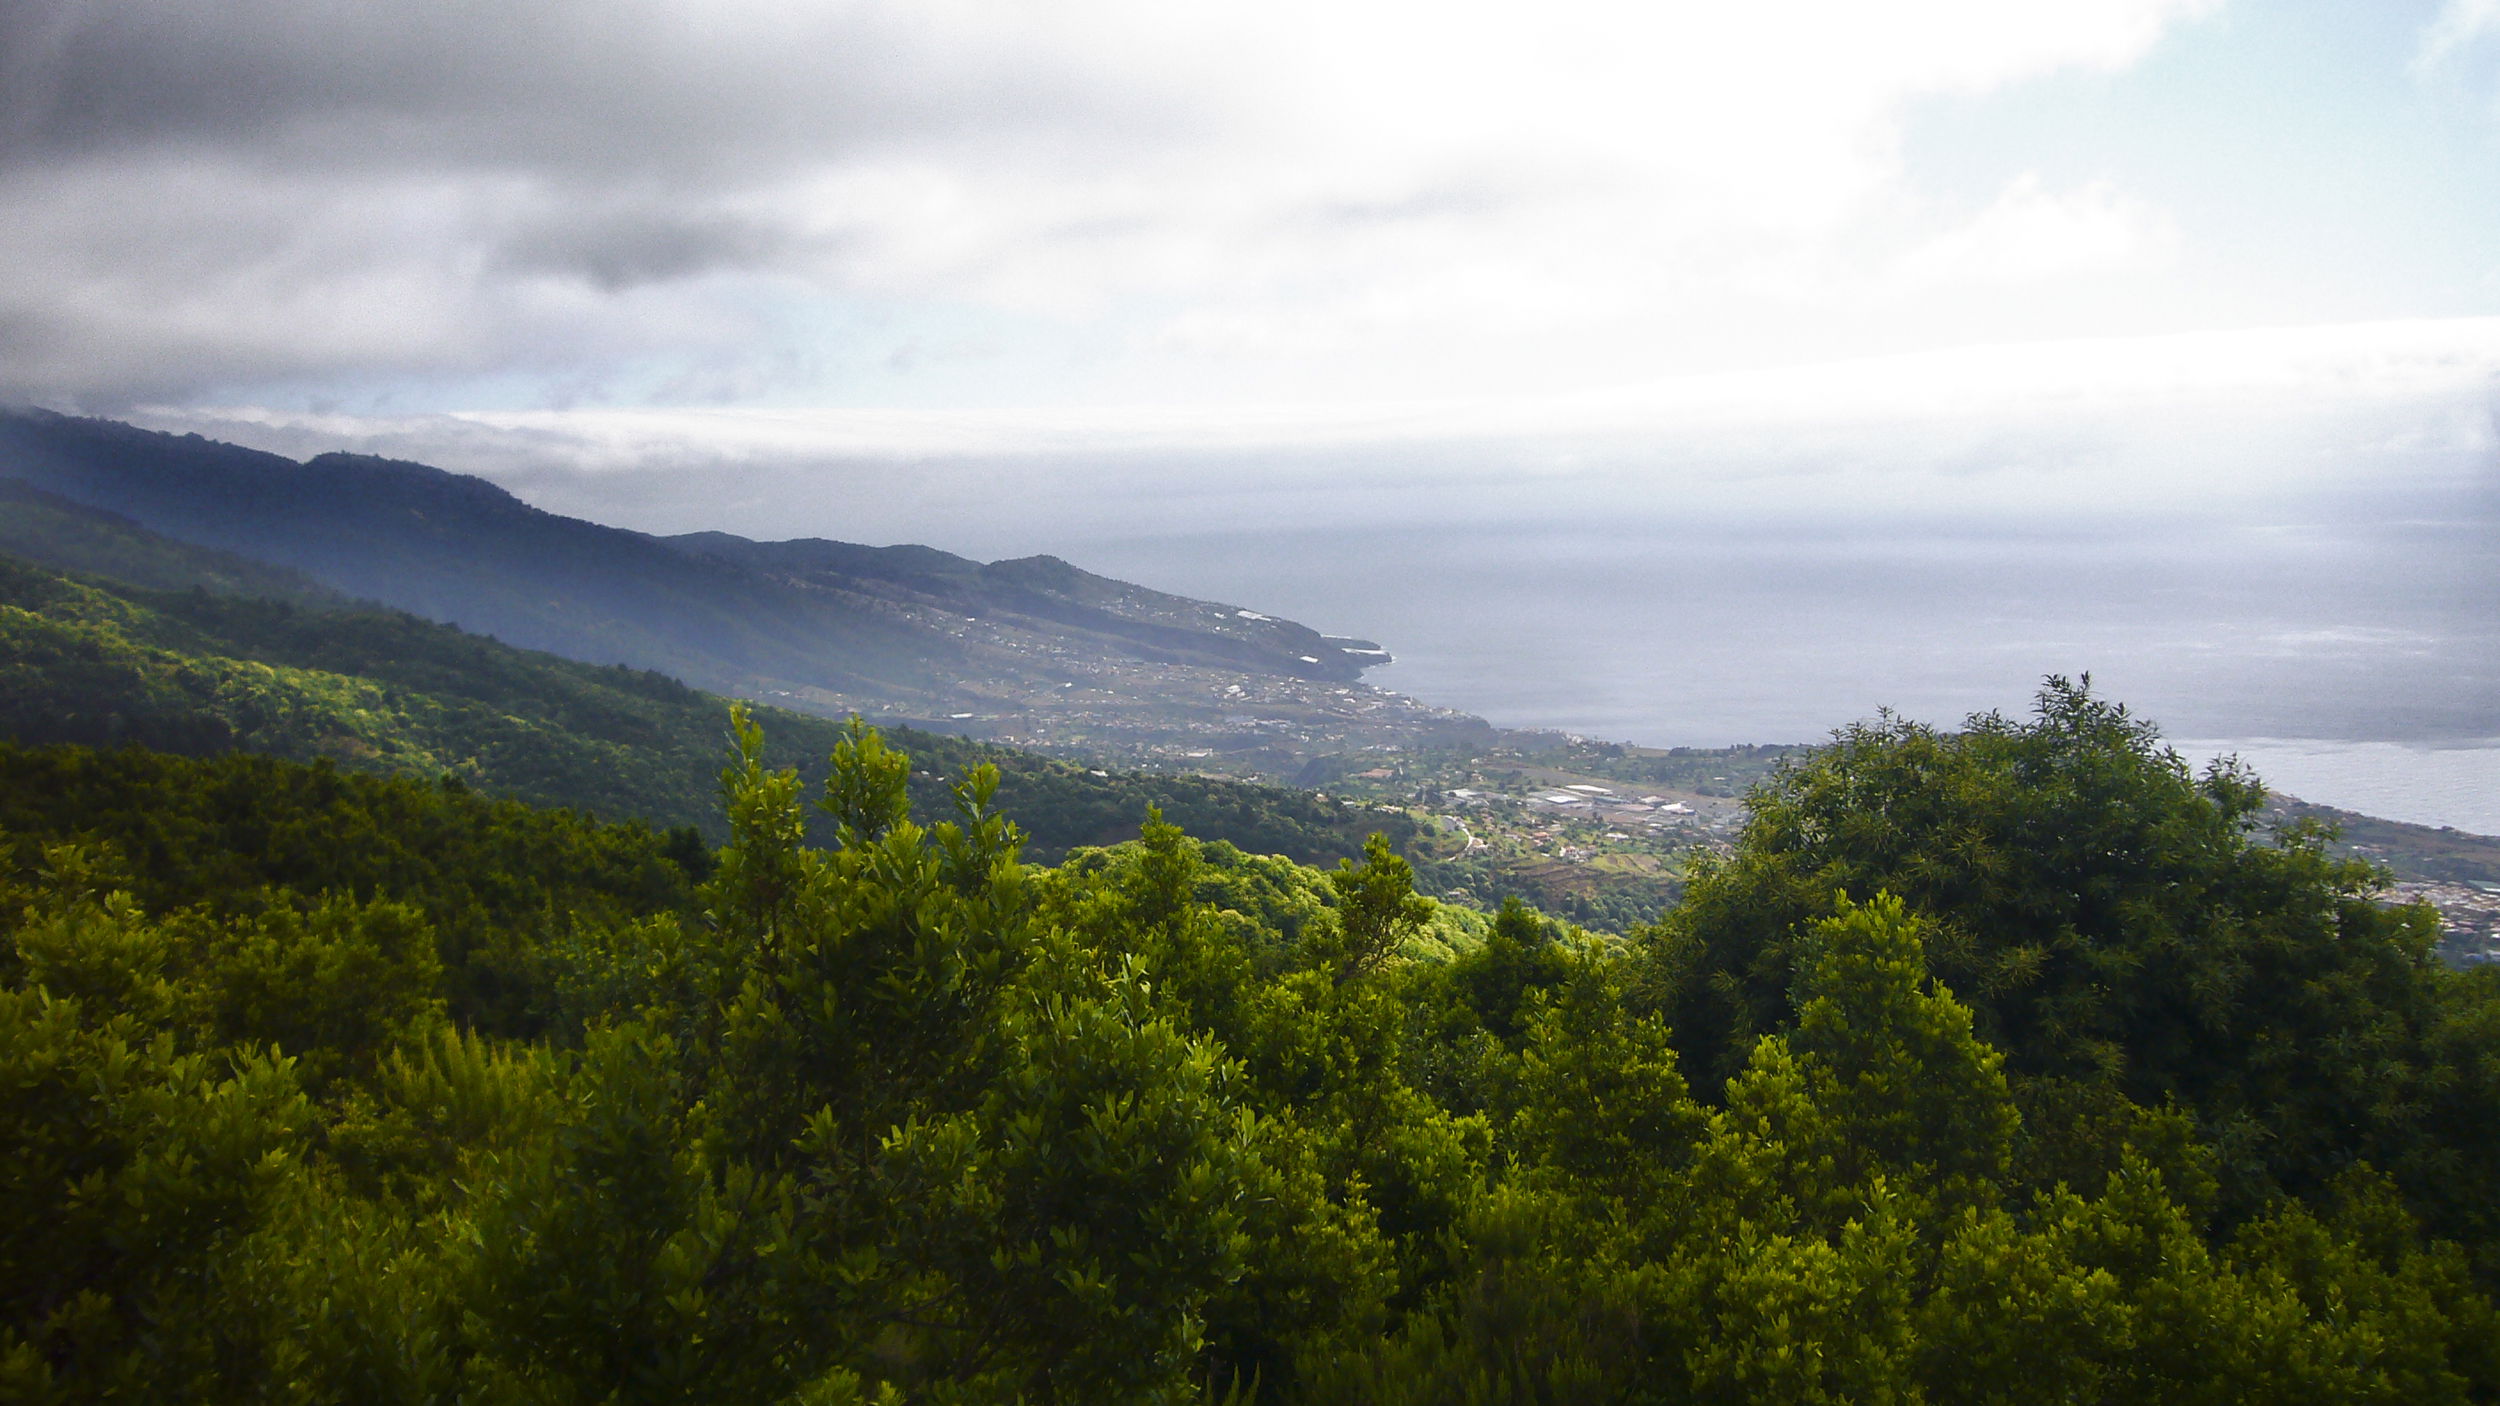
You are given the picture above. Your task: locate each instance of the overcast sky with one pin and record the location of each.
(386, 209)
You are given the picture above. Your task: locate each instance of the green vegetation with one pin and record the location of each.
(50, 529)
(1987, 1067)
(2125, 942)
(199, 673)
(1700, 771)
(502, 886)
(1608, 888)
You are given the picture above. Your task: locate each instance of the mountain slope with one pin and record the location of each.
(1047, 593)
(825, 624)
(55, 531)
(459, 549)
(84, 660)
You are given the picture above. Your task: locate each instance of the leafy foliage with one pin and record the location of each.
(907, 1118)
(502, 889)
(2123, 934)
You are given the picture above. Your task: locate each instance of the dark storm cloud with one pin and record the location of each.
(619, 249)
(554, 88)
(204, 197)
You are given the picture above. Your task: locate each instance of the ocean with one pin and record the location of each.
(2427, 785)
(2358, 669)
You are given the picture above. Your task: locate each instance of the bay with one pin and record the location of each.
(2453, 786)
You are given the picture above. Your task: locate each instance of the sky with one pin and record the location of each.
(1087, 277)
(308, 206)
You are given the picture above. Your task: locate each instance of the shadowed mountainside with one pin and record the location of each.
(1034, 650)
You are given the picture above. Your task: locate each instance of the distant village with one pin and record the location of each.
(2469, 914)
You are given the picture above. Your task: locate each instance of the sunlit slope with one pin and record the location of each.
(85, 660)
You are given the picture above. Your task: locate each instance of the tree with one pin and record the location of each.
(1377, 911)
(2112, 921)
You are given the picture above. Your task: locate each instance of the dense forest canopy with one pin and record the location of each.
(1993, 1066)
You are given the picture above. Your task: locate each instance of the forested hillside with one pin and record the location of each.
(84, 660)
(48, 529)
(1033, 649)
(1991, 1066)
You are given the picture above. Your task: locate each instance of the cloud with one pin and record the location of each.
(308, 199)
(637, 245)
(2459, 25)
(2031, 234)
(2456, 53)
(2353, 421)
(709, 94)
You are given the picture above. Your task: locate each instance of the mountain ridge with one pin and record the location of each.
(85, 660)
(1035, 650)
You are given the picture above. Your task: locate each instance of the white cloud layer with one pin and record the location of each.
(2458, 27)
(2031, 234)
(741, 201)
(2244, 426)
